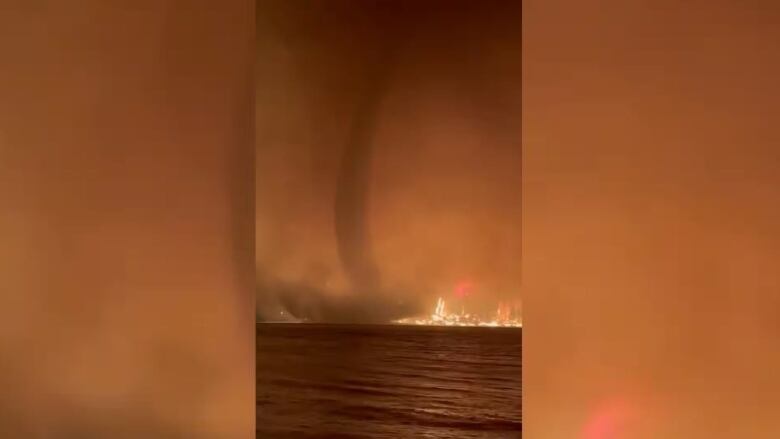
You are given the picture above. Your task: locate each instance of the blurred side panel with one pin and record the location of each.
(650, 219)
(126, 180)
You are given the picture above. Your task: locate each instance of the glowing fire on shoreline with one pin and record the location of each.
(506, 316)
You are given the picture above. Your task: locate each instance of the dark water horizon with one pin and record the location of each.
(388, 381)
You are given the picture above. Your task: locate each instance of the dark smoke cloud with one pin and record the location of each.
(388, 153)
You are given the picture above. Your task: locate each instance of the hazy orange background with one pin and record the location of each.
(650, 221)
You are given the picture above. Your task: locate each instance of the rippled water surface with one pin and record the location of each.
(351, 381)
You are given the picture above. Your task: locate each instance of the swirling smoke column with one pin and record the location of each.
(366, 299)
(353, 191)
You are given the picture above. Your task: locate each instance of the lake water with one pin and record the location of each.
(371, 381)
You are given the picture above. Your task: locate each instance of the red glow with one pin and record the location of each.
(609, 421)
(463, 289)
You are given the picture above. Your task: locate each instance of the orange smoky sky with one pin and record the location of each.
(650, 222)
(126, 180)
(444, 128)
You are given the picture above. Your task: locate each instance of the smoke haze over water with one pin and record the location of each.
(388, 132)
